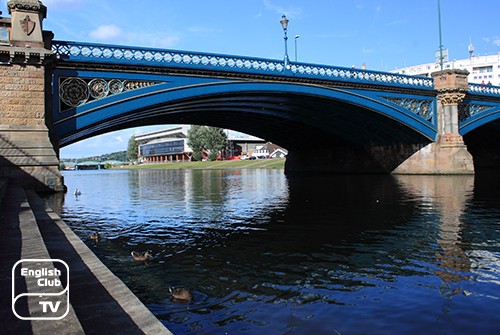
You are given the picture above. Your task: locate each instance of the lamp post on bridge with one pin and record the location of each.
(440, 37)
(284, 25)
(296, 38)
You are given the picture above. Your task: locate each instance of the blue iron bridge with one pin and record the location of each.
(100, 88)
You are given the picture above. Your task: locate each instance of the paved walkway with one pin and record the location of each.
(99, 302)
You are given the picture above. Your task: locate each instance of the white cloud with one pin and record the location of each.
(290, 12)
(165, 42)
(106, 32)
(153, 39)
(105, 143)
(62, 4)
(395, 23)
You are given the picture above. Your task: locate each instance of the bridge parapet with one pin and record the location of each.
(482, 89)
(125, 55)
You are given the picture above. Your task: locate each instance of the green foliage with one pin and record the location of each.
(107, 166)
(114, 156)
(132, 149)
(215, 141)
(196, 140)
(204, 138)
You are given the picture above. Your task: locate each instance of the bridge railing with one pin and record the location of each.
(484, 89)
(125, 55)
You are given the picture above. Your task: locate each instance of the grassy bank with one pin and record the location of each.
(277, 163)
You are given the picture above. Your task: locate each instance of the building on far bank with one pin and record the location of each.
(170, 145)
(269, 150)
(482, 69)
(167, 145)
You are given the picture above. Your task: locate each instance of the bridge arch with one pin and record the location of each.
(481, 135)
(275, 111)
(489, 116)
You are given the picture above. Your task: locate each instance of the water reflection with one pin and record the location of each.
(312, 255)
(450, 195)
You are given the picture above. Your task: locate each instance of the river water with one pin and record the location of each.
(267, 254)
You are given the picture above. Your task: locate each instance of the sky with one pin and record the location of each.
(383, 34)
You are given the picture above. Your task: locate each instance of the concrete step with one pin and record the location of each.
(19, 231)
(99, 301)
(33, 247)
(102, 302)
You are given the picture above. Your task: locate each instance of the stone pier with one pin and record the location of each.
(27, 154)
(449, 154)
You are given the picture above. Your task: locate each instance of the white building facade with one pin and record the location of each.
(482, 69)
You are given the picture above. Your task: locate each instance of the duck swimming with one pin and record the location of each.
(95, 236)
(140, 257)
(180, 294)
(77, 192)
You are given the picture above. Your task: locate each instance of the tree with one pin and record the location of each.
(196, 141)
(204, 138)
(133, 149)
(215, 141)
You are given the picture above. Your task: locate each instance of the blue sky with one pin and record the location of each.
(383, 34)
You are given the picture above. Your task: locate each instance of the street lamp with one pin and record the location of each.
(296, 38)
(284, 24)
(440, 37)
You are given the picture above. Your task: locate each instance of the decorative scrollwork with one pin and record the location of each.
(98, 88)
(115, 86)
(75, 92)
(467, 110)
(424, 108)
(144, 56)
(451, 97)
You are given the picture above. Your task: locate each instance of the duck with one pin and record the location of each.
(140, 257)
(95, 236)
(77, 192)
(180, 294)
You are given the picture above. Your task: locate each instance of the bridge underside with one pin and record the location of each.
(320, 133)
(484, 143)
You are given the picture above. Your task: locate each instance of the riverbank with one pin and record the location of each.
(275, 163)
(100, 302)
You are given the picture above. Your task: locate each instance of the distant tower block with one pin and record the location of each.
(470, 48)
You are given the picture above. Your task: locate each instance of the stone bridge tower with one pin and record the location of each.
(27, 155)
(448, 154)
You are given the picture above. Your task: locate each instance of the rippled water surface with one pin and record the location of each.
(267, 254)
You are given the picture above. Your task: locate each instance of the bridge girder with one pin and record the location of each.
(274, 110)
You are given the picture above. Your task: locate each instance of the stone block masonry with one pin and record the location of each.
(22, 92)
(27, 154)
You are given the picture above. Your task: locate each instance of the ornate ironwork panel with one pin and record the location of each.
(421, 107)
(75, 91)
(467, 110)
